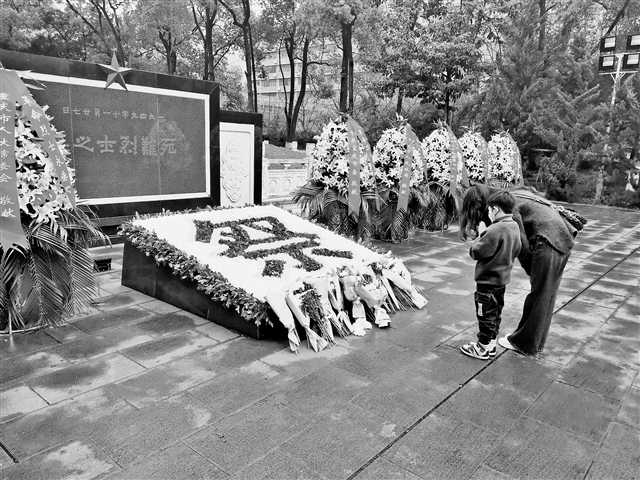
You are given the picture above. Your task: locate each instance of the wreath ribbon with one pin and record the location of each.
(517, 160)
(354, 166)
(411, 141)
(355, 136)
(11, 231)
(484, 157)
(40, 123)
(458, 173)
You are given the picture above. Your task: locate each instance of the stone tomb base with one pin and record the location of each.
(143, 274)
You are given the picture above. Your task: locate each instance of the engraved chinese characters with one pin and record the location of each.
(127, 145)
(146, 145)
(10, 226)
(137, 145)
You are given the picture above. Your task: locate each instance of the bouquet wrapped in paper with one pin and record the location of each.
(397, 279)
(294, 299)
(337, 301)
(372, 291)
(279, 306)
(505, 165)
(349, 280)
(311, 304)
(320, 284)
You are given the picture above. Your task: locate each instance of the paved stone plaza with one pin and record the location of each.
(139, 390)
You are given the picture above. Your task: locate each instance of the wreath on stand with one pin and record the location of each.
(505, 164)
(446, 176)
(398, 163)
(46, 270)
(475, 154)
(341, 192)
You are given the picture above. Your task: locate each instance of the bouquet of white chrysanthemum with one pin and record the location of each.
(504, 159)
(330, 159)
(388, 159)
(475, 155)
(40, 192)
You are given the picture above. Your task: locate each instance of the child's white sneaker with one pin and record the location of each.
(477, 350)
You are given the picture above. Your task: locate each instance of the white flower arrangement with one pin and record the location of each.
(388, 159)
(437, 152)
(503, 158)
(40, 192)
(238, 281)
(473, 148)
(329, 160)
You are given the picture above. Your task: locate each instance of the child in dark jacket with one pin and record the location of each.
(495, 251)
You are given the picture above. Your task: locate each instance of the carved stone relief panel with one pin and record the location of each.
(236, 163)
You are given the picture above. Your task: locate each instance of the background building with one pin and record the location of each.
(323, 85)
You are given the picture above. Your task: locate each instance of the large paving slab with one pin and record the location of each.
(136, 389)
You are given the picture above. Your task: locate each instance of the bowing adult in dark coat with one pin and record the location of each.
(547, 240)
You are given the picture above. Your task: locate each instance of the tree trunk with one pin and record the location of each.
(173, 61)
(399, 101)
(542, 10)
(254, 80)
(303, 90)
(208, 48)
(170, 53)
(347, 62)
(290, 47)
(207, 37)
(619, 16)
(248, 70)
(447, 100)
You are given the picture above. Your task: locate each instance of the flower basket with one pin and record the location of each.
(397, 215)
(446, 177)
(341, 192)
(46, 271)
(505, 165)
(475, 154)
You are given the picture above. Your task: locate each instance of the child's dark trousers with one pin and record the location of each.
(489, 300)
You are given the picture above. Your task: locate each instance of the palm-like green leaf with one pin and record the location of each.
(50, 280)
(329, 208)
(12, 265)
(82, 281)
(55, 276)
(399, 228)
